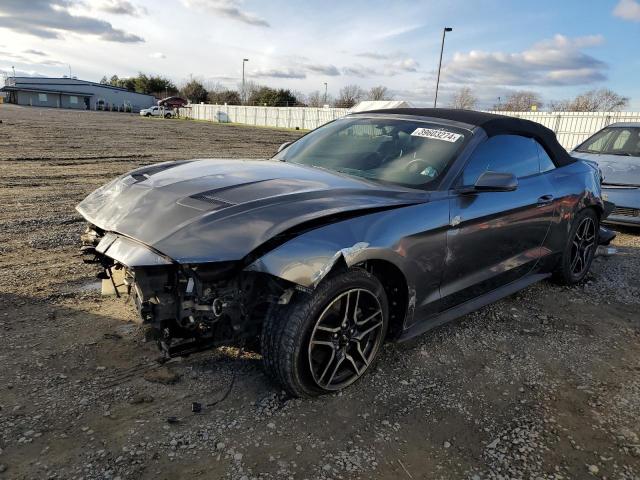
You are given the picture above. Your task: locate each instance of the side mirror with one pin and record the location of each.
(283, 146)
(496, 182)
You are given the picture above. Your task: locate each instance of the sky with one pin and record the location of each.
(558, 48)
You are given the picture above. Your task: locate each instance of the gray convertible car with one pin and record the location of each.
(616, 150)
(377, 226)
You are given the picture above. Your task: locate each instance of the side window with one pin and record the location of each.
(505, 154)
(621, 139)
(546, 163)
(597, 143)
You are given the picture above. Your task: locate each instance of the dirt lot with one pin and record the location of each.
(545, 384)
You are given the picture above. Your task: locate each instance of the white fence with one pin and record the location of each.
(571, 128)
(303, 118)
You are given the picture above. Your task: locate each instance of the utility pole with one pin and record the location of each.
(325, 93)
(444, 33)
(244, 93)
(69, 71)
(14, 72)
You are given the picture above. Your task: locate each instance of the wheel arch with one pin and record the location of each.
(400, 297)
(380, 263)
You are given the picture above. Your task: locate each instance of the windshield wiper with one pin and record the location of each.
(623, 154)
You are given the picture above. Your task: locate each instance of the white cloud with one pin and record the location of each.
(330, 70)
(33, 51)
(157, 55)
(49, 18)
(376, 55)
(406, 65)
(8, 70)
(555, 62)
(361, 71)
(389, 69)
(31, 57)
(297, 72)
(396, 32)
(628, 10)
(227, 8)
(278, 73)
(121, 7)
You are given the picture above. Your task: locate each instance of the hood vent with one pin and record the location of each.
(205, 201)
(210, 198)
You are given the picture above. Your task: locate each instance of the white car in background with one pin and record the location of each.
(616, 150)
(157, 112)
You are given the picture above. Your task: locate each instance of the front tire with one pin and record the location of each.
(325, 341)
(580, 249)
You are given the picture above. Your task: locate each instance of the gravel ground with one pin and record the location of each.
(544, 384)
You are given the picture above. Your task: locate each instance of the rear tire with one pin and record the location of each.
(580, 249)
(325, 341)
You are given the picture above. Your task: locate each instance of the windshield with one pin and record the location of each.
(624, 141)
(406, 152)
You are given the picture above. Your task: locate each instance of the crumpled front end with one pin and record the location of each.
(183, 235)
(189, 307)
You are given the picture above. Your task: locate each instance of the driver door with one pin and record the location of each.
(496, 238)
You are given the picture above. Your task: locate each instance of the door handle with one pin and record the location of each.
(545, 200)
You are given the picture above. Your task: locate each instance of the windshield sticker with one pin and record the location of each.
(437, 134)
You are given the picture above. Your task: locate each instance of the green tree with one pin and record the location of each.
(142, 83)
(194, 91)
(272, 97)
(220, 97)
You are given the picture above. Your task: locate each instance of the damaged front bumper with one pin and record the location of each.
(189, 307)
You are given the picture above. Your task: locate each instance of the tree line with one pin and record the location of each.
(197, 91)
(255, 94)
(595, 100)
(252, 93)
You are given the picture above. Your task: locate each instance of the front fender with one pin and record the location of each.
(411, 238)
(307, 259)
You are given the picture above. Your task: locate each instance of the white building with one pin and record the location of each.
(73, 93)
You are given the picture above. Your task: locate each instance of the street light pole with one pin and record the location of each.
(444, 33)
(325, 93)
(14, 72)
(244, 95)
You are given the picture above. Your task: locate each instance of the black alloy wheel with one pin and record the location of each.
(583, 246)
(580, 250)
(345, 339)
(325, 340)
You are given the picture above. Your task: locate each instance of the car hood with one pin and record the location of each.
(219, 210)
(616, 169)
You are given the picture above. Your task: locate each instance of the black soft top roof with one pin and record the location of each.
(493, 124)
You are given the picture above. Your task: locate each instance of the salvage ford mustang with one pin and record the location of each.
(377, 226)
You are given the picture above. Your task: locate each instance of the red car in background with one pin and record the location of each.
(172, 102)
